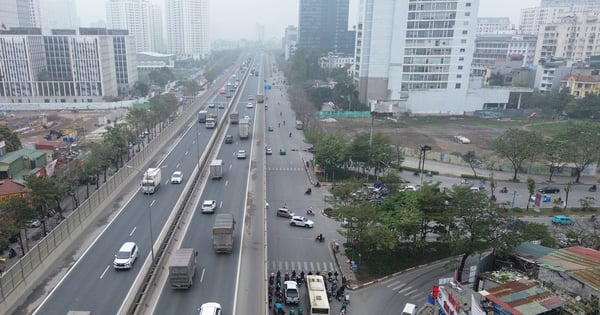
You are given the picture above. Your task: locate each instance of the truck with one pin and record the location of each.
(211, 121)
(260, 98)
(182, 266)
(234, 118)
(244, 128)
(151, 180)
(223, 233)
(216, 169)
(202, 116)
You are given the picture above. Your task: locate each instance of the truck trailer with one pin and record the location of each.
(234, 118)
(151, 180)
(182, 266)
(216, 169)
(211, 121)
(260, 98)
(223, 233)
(244, 127)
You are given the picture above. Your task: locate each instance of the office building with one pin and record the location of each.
(65, 67)
(58, 14)
(492, 48)
(424, 61)
(323, 26)
(573, 37)
(157, 28)
(494, 25)
(134, 16)
(290, 40)
(533, 18)
(187, 28)
(19, 13)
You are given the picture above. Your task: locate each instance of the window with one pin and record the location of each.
(461, 58)
(462, 50)
(460, 67)
(468, 4)
(464, 32)
(458, 76)
(457, 85)
(463, 41)
(467, 13)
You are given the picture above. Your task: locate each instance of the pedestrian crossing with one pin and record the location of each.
(285, 169)
(298, 266)
(403, 288)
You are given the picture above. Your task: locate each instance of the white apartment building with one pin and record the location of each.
(574, 36)
(65, 68)
(187, 28)
(290, 40)
(157, 25)
(19, 13)
(58, 14)
(134, 16)
(492, 48)
(533, 18)
(336, 61)
(493, 25)
(417, 53)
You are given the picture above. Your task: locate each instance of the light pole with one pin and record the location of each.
(150, 204)
(424, 149)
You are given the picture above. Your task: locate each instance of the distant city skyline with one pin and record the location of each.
(237, 19)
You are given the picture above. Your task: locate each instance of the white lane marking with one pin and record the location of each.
(132, 231)
(186, 152)
(152, 203)
(104, 272)
(220, 204)
(177, 166)
(405, 289)
(202, 276)
(230, 166)
(411, 292)
(226, 183)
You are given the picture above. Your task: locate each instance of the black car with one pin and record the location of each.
(549, 190)
(228, 139)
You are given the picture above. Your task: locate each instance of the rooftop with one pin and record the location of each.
(523, 297)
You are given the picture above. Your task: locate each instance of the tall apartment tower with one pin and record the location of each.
(19, 13)
(323, 26)
(416, 52)
(58, 14)
(134, 16)
(187, 28)
(157, 29)
(550, 10)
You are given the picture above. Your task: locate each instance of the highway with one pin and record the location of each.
(216, 273)
(92, 284)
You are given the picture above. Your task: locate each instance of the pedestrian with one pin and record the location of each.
(344, 305)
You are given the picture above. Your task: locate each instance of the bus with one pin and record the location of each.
(202, 116)
(222, 90)
(299, 125)
(316, 296)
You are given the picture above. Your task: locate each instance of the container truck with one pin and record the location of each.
(182, 266)
(151, 180)
(260, 98)
(234, 118)
(216, 169)
(223, 233)
(202, 116)
(244, 128)
(211, 121)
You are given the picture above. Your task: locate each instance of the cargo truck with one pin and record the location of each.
(182, 266)
(216, 169)
(244, 128)
(202, 116)
(234, 118)
(211, 121)
(260, 98)
(151, 180)
(223, 233)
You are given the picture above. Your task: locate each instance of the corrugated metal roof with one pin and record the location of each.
(524, 296)
(572, 258)
(532, 251)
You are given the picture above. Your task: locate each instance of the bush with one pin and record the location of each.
(413, 170)
(470, 176)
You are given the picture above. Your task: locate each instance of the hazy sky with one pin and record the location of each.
(234, 19)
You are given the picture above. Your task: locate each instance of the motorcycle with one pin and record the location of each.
(320, 238)
(593, 188)
(308, 191)
(504, 190)
(310, 212)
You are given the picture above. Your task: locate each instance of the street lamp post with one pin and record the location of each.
(423, 152)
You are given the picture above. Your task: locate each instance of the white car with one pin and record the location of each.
(211, 105)
(241, 154)
(177, 177)
(209, 206)
(301, 221)
(126, 256)
(250, 105)
(210, 308)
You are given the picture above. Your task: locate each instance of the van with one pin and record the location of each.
(409, 309)
(126, 256)
(285, 212)
(210, 308)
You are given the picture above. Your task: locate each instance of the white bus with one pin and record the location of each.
(316, 296)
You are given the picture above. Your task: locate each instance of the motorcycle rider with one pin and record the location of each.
(310, 211)
(320, 237)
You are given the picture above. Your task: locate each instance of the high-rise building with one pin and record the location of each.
(323, 26)
(550, 10)
(493, 25)
(58, 14)
(417, 52)
(65, 67)
(187, 28)
(492, 48)
(290, 40)
(157, 27)
(19, 13)
(134, 16)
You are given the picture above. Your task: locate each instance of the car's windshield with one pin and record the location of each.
(123, 255)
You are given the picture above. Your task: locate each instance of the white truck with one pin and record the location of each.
(260, 98)
(182, 266)
(211, 121)
(223, 233)
(244, 128)
(234, 118)
(216, 169)
(151, 180)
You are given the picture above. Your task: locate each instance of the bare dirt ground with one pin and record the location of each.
(32, 127)
(407, 132)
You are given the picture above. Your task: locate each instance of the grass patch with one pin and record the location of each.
(548, 129)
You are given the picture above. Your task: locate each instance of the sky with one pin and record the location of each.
(235, 19)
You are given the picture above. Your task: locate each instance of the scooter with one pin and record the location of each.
(593, 188)
(308, 191)
(310, 212)
(320, 238)
(504, 190)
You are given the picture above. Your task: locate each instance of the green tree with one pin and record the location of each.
(13, 143)
(518, 146)
(470, 158)
(581, 142)
(496, 79)
(44, 191)
(140, 89)
(555, 154)
(331, 153)
(530, 190)
(191, 87)
(14, 212)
